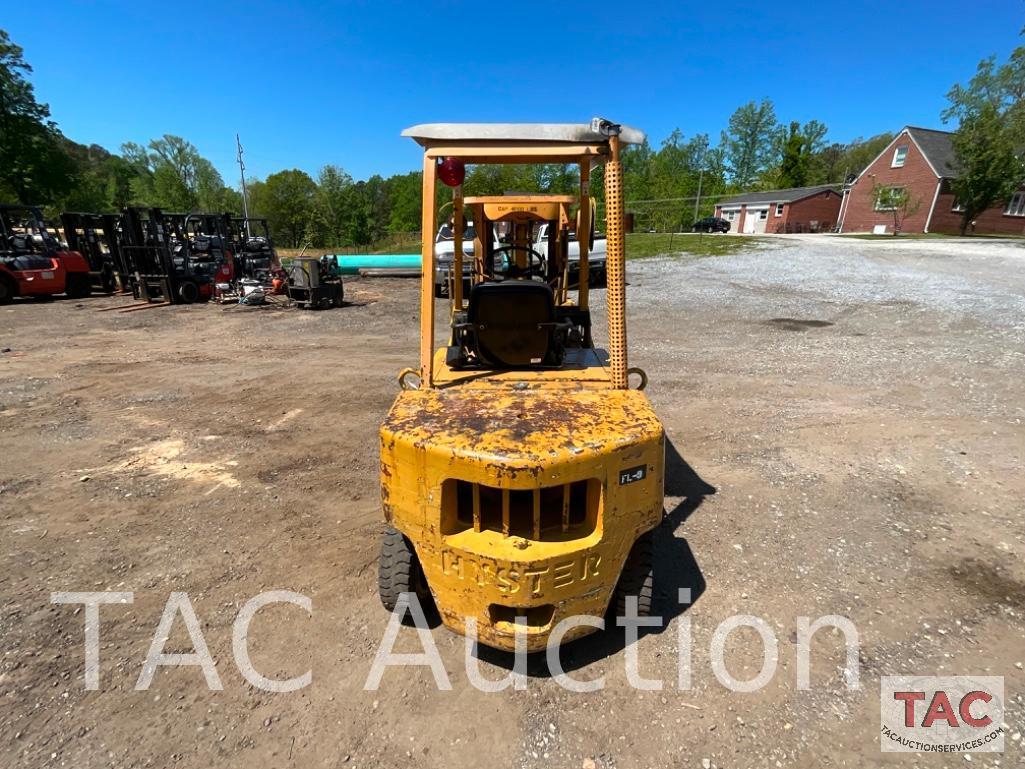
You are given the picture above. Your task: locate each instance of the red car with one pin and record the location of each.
(32, 261)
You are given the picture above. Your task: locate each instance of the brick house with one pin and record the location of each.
(799, 209)
(922, 162)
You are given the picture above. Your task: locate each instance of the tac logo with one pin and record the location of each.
(941, 714)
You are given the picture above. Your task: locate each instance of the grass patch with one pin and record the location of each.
(641, 245)
(393, 244)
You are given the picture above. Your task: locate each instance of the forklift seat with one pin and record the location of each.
(512, 324)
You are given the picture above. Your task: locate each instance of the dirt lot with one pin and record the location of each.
(849, 420)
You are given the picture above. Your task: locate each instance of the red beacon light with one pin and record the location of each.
(452, 172)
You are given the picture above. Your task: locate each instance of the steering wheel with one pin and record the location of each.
(536, 264)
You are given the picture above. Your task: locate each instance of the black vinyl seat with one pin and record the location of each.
(513, 324)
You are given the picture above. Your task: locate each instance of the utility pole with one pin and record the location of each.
(701, 173)
(242, 172)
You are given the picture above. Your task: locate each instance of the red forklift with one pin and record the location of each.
(33, 262)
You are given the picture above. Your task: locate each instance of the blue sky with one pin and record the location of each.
(310, 83)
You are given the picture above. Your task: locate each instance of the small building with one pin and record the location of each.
(799, 209)
(922, 163)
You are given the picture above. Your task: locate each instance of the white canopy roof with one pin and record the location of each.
(427, 134)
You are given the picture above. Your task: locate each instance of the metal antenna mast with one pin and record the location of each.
(242, 172)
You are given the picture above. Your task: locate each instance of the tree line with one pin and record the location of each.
(755, 151)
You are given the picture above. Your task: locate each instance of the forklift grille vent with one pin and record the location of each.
(552, 513)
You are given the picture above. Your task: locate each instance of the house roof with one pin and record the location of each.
(778, 196)
(938, 148)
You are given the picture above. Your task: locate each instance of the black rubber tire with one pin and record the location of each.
(7, 291)
(399, 569)
(339, 300)
(638, 577)
(77, 285)
(188, 292)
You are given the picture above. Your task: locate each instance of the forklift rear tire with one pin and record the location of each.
(638, 577)
(6, 291)
(399, 570)
(188, 292)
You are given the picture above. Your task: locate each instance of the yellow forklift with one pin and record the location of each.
(521, 475)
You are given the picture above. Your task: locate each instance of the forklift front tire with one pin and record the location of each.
(638, 577)
(77, 285)
(188, 292)
(6, 291)
(399, 570)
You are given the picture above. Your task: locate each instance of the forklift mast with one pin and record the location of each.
(157, 249)
(97, 238)
(24, 232)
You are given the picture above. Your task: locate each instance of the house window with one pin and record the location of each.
(763, 214)
(729, 215)
(1017, 205)
(889, 198)
(958, 207)
(899, 156)
(779, 209)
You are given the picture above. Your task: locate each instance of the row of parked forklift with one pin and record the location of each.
(164, 257)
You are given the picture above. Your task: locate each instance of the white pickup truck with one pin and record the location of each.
(444, 248)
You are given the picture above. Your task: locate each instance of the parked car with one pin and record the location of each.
(595, 258)
(444, 256)
(444, 250)
(711, 224)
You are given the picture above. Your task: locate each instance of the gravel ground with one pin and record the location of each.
(846, 420)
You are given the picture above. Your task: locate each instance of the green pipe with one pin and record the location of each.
(351, 264)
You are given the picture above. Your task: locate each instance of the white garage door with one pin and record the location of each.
(755, 220)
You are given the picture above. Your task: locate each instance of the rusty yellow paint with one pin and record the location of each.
(498, 434)
(522, 207)
(523, 491)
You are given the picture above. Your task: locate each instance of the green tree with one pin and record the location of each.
(793, 170)
(378, 205)
(287, 199)
(989, 167)
(211, 194)
(404, 190)
(1001, 87)
(749, 142)
(33, 166)
(330, 211)
(637, 162)
(814, 133)
(898, 201)
(171, 174)
(859, 154)
(990, 140)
